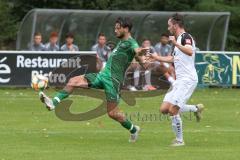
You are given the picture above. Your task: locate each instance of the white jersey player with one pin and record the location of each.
(183, 58)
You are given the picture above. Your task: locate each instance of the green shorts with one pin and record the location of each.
(110, 85)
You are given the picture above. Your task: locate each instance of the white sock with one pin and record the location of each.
(171, 80)
(148, 77)
(177, 127)
(188, 108)
(136, 76)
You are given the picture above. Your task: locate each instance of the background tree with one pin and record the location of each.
(8, 26)
(12, 12)
(233, 40)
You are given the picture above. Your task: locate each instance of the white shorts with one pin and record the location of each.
(180, 92)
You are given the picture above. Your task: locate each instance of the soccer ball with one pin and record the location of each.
(39, 82)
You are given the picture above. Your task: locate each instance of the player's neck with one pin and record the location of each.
(179, 32)
(126, 37)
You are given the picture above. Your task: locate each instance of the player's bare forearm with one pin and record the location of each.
(168, 59)
(187, 49)
(140, 51)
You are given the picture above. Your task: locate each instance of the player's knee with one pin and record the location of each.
(75, 80)
(71, 81)
(112, 114)
(164, 110)
(173, 110)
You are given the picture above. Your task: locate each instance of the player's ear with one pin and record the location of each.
(174, 26)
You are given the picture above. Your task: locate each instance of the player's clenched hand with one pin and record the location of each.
(144, 51)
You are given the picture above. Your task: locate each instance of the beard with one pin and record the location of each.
(171, 33)
(120, 36)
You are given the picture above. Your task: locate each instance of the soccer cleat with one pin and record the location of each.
(133, 137)
(47, 101)
(177, 143)
(198, 114)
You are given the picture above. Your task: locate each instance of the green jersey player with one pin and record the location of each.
(110, 78)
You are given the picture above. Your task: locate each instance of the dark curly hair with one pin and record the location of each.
(177, 19)
(124, 22)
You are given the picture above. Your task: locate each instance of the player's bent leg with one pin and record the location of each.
(115, 113)
(74, 82)
(164, 109)
(196, 109)
(198, 113)
(176, 125)
(78, 81)
(189, 108)
(173, 110)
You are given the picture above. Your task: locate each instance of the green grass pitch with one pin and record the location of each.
(29, 132)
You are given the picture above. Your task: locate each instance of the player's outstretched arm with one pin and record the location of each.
(168, 59)
(141, 51)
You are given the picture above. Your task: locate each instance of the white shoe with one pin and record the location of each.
(47, 101)
(198, 114)
(132, 88)
(133, 137)
(177, 143)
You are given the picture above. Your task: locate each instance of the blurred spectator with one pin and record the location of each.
(147, 70)
(149, 66)
(102, 51)
(111, 45)
(52, 44)
(69, 46)
(135, 69)
(37, 43)
(164, 49)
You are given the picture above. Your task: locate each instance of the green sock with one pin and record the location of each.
(129, 126)
(59, 96)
